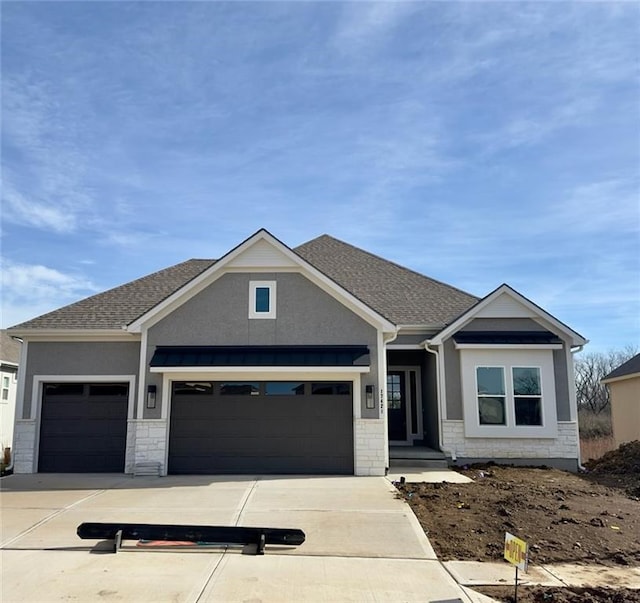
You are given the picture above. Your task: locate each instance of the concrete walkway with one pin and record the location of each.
(362, 542)
(476, 573)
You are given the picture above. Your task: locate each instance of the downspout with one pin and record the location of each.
(383, 389)
(436, 353)
(576, 350)
(9, 468)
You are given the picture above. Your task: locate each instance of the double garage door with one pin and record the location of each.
(215, 427)
(261, 427)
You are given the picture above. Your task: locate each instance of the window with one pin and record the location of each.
(491, 395)
(64, 389)
(283, 388)
(262, 299)
(109, 389)
(509, 393)
(331, 389)
(395, 384)
(527, 395)
(193, 388)
(240, 388)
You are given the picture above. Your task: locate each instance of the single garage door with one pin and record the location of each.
(83, 428)
(261, 427)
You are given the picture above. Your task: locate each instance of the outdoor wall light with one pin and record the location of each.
(369, 401)
(151, 396)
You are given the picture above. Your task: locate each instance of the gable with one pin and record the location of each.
(262, 254)
(505, 303)
(505, 306)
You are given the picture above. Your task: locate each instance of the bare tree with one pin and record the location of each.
(590, 369)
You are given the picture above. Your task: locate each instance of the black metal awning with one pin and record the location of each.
(507, 337)
(326, 355)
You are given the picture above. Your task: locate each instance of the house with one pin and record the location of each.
(624, 388)
(316, 359)
(9, 360)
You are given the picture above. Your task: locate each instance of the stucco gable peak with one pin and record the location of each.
(261, 252)
(506, 302)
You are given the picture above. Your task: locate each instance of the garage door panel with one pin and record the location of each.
(261, 434)
(83, 433)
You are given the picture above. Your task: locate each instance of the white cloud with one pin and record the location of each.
(29, 290)
(32, 213)
(43, 180)
(364, 24)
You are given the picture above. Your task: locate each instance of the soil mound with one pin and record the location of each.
(624, 460)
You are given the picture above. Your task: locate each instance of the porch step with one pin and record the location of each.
(417, 456)
(425, 463)
(146, 469)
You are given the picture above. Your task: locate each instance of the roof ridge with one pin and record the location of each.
(396, 264)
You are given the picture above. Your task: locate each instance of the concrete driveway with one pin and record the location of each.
(362, 544)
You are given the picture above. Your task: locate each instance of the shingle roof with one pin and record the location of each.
(9, 348)
(119, 306)
(397, 293)
(630, 367)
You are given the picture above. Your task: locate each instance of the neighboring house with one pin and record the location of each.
(624, 387)
(9, 360)
(317, 359)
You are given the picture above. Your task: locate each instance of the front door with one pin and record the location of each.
(397, 406)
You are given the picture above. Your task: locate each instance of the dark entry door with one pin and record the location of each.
(397, 406)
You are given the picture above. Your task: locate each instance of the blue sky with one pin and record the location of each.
(477, 143)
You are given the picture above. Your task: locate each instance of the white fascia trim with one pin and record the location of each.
(508, 346)
(621, 378)
(269, 370)
(77, 335)
(405, 346)
(576, 338)
(21, 384)
(418, 329)
(219, 268)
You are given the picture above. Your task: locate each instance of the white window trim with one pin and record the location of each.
(271, 286)
(470, 360)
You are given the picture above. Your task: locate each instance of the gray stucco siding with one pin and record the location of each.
(219, 315)
(453, 381)
(561, 376)
(78, 358)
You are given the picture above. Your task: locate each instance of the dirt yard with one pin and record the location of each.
(590, 518)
